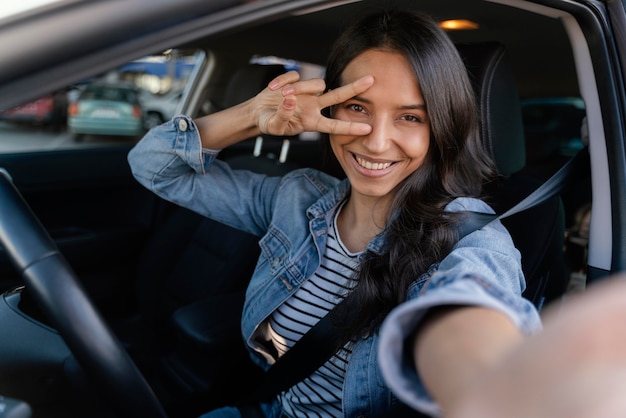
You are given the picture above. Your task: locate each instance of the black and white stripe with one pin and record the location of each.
(320, 394)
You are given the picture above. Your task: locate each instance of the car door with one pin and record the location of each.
(601, 53)
(616, 142)
(91, 206)
(84, 193)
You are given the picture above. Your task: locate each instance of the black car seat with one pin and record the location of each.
(537, 232)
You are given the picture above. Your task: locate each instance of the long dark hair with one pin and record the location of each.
(419, 232)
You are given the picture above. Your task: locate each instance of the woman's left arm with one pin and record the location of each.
(459, 321)
(575, 367)
(455, 345)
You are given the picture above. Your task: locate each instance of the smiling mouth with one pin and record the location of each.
(371, 165)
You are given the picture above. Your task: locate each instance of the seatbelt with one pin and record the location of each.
(322, 340)
(570, 173)
(303, 358)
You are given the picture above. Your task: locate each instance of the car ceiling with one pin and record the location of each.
(537, 44)
(541, 56)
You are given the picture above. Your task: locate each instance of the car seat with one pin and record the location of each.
(538, 232)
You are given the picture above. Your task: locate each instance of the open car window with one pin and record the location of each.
(113, 108)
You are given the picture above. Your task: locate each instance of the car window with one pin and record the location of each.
(109, 109)
(553, 127)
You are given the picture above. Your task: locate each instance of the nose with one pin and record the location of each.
(380, 137)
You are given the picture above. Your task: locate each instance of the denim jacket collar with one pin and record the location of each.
(323, 208)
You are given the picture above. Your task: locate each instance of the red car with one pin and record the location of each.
(50, 109)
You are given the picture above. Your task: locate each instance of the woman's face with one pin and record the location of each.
(397, 145)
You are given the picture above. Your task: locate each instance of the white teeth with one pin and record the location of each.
(370, 165)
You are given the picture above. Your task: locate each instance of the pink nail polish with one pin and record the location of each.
(274, 85)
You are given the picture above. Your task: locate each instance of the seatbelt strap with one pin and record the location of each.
(315, 347)
(322, 340)
(570, 173)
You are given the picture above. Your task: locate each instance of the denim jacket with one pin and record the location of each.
(291, 214)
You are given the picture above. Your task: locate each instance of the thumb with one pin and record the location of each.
(279, 121)
(286, 111)
(288, 106)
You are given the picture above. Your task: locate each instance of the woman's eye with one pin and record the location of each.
(412, 118)
(356, 108)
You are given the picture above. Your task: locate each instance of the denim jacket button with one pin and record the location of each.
(182, 125)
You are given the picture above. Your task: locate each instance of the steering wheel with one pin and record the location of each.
(58, 292)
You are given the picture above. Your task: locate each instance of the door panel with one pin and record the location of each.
(97, 213)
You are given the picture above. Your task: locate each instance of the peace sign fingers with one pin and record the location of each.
(343, 93)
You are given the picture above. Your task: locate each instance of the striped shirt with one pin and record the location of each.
(319, 395)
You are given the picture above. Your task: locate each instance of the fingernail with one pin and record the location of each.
(288, 91)
(274, 85)
(289, 104)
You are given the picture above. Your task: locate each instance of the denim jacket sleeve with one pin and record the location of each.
(484, 269)
(171, 162)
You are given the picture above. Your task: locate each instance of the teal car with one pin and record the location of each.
(106, 109)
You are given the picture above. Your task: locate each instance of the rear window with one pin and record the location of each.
(109, 93)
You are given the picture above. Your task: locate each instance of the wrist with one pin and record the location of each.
(251, 118)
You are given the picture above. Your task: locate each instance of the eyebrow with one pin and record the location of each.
(418, 106)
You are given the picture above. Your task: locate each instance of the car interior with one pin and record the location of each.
(160, 274)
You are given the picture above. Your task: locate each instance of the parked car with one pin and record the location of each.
(106, 109)
(112, 323)
(47, 110)
(159, 108)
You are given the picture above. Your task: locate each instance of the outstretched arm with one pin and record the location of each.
(575, 367)
(456, 345)
(287, 106)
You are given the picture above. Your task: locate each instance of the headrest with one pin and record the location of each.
(247, 81)
(500, 110)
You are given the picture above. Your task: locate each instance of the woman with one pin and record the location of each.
(402, 122)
